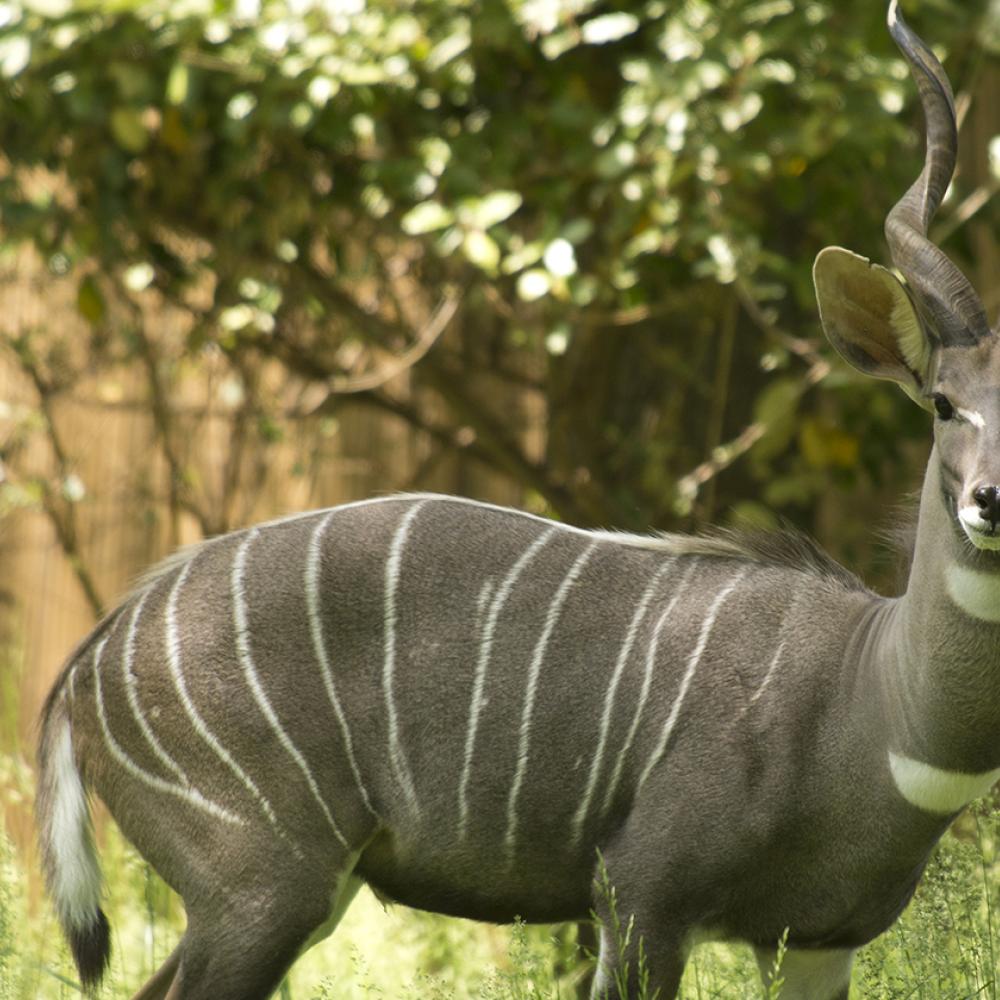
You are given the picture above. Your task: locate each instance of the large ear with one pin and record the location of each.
(869, 318)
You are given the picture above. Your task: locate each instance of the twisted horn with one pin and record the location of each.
(944, 294)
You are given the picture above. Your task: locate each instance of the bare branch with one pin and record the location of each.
(428, 336)
(724, 455)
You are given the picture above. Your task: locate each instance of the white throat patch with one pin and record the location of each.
(975, 591)
(935, 790)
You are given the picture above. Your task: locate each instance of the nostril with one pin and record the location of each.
(985, 496)
(988, 501)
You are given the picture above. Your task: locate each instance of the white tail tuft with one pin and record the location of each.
(74, 870)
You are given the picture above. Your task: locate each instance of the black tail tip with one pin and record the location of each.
(91, 947)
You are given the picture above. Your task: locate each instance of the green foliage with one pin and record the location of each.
(631, 202)
(946, 945)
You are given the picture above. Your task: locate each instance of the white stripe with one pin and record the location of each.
(189, 795)
(693, 660)
(319, 645)
(485, 651)
(240, 620)
(973, 417)
(131, 690)
(770, 672)
(71, 682)
(392, 570)
(609, 701)
(483, 602)
(534, 673)
(976, 592)
(778, 653)
(173, 646)
(647, 680)
(935, 790)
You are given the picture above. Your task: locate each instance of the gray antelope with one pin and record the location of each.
(465, 706)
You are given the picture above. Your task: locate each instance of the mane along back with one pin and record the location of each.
(787, 549)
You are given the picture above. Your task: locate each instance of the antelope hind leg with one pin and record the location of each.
(240, 950)
(243, 954)
(810, 974)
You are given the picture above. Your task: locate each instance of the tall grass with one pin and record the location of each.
(945, 947)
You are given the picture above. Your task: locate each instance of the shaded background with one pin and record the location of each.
(256, 257)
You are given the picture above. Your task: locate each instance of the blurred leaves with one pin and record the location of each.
(602, 183)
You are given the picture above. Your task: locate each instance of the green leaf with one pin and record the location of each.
(128, 129)
(178, 83)
(481, 213)
(481, 250)
(90, 301)
(426, 217)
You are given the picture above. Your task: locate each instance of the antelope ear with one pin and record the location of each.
(869, 318)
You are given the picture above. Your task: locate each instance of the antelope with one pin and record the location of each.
(471, 709)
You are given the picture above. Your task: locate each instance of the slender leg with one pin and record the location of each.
(588, 944)
(242, 954)
(240, 948)
(158, 984)
(651, 957)
(810, 974)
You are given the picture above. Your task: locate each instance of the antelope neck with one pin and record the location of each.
(940, 663)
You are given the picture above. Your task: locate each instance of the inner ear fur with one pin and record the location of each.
(869, 318)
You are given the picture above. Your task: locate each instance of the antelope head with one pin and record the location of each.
(930, 335)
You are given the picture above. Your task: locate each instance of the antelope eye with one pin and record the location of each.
(943, 406)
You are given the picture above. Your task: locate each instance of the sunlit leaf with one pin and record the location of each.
(426, 217)
(481, 250)
(609, 28)
(490, 210)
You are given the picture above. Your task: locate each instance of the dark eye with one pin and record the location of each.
(943, 406)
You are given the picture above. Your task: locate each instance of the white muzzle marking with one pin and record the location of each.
(978, 530)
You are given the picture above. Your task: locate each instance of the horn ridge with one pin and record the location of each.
(944, 294)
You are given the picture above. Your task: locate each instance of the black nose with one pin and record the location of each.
(988, 500)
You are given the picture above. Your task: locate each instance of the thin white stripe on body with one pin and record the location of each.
(190, 795)
(534, 673)
(173, 646)
(778, 653)
(482, 663)
(692, 666)
(132, 691)
(319, 646)
(626, 649)
(647, 681)
(393, 567)
(242, 624)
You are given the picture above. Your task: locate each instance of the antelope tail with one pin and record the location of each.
(72, 870)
